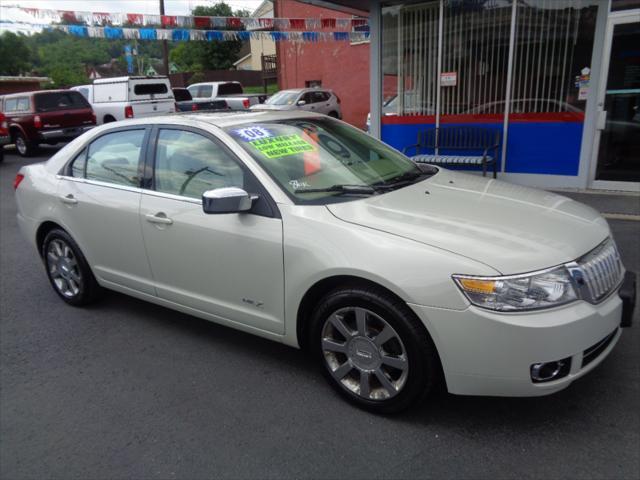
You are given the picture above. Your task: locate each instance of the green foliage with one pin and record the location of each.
(14, 54)
(199, 56)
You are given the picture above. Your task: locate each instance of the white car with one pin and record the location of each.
(120, 98)
(302, 229)
(316, 100)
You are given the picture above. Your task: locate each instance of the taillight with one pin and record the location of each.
(128, 111)
(246, 103)
(337, 98)
(18, 179)
(37, 121)
(194, 107)
(94, 119)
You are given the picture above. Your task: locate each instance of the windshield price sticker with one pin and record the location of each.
(252, 133)
(282, 146)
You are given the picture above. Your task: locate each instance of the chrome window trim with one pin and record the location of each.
(170, 196)
(98, 183)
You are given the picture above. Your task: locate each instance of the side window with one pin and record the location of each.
(78, 165)
(319, 97)
(23, 104)
(114, 158)
(308, 97)
(188, 164)
(11, 105)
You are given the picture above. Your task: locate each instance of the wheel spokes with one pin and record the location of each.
(361, 321)
(339, 325)
(384, 336)
(365, 384)
(329, 345)
(396, 362)
(342, 370)
(385, 382)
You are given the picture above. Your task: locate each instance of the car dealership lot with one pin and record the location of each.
(129, 389)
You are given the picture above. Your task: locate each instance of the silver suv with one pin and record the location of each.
(318, 100)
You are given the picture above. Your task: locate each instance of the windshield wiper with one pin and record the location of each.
(402, 180)
(342, 189)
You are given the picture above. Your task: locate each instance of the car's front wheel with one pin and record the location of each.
(68, 270)
(374, 350)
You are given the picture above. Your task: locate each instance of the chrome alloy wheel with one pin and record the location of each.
(63, 268)
(21, 145)
(364, 353)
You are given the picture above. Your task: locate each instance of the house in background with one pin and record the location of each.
(251, 59)
(340, 66)
(15, 84)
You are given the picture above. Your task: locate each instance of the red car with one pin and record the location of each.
(50, 116)
(4, 135)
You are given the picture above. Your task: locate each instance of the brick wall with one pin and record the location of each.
(340, 66)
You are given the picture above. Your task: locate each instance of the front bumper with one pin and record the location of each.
(63, 133)
(488, 353)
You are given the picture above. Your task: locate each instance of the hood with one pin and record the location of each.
(264, 106)
(511, 228)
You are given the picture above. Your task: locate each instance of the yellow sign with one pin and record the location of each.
(282, 146)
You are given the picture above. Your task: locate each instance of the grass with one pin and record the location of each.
(271, 89)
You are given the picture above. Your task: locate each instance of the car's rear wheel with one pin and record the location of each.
(68, 270)
(24, 147)
(373, 349)
(334, 114)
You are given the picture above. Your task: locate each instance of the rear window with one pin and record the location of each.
(46, 102)
(150, 88)
(201, 91)
(229, 88)
(181, 94)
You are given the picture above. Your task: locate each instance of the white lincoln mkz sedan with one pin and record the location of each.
(299, 228)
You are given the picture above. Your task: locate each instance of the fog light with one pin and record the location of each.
(548, 371)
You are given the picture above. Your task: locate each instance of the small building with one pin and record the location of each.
(22, 84)
(251, 59)
(559, 80)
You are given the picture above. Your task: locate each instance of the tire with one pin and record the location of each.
(334, 114)
(1, 153)
(357, 366)
(68, 270)
(109, 119)
(24, 147)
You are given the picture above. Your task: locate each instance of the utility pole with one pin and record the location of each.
(165, 45)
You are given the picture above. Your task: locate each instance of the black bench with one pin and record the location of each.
(463, 139)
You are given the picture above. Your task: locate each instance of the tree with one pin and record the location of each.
(14, 54)
(217, 55)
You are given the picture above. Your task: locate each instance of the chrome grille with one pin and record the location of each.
(601, 271)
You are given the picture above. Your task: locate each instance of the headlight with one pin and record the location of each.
(548, 288)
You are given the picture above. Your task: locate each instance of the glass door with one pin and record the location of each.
(617, 138)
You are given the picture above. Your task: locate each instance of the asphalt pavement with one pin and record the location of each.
(126, 389)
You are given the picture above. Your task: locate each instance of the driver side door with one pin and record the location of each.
(229, 266)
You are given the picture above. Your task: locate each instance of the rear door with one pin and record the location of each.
(99, 201)
(62, 109)
(151, 97)
(229, 266)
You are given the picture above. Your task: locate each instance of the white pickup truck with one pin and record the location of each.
(231, 92)
(128, 97)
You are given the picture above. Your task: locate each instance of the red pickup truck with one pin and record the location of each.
(49, 116)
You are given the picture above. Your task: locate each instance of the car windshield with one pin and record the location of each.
(282, 98)
(319, 161)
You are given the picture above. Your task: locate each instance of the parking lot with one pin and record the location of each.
(130, 389)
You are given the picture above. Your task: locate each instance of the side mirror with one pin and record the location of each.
(301, 103)
(226, 200)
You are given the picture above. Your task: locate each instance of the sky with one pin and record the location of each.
(172, 7)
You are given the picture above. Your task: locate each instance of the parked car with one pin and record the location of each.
(231, 92)
(118, 98)
(185, 103)
(4, 133)
(414, 104)
(316, 100)
(50, 116)
(302, 229)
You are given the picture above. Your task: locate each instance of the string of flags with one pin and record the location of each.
(185, 22)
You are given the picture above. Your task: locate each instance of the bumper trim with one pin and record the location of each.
(64, 132)
(627, 293)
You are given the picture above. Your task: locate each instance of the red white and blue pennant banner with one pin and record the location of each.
(203, 23)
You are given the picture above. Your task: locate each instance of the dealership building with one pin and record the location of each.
(559, 80)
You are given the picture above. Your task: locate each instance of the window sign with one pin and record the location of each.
(448, 79)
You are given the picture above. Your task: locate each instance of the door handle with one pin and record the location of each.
(159, 218)
(69, 199)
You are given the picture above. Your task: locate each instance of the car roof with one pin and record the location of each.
(222, 119)
(126, 79)
(305, 90)
(36, 92)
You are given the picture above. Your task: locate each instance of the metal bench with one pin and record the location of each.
(463, 139)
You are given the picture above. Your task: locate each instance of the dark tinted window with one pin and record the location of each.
(308, 98)
(51, 101)
(150, 88)
(181, 94)
(319, 97)
(114, 158)
(229, 88)
(189, 164)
